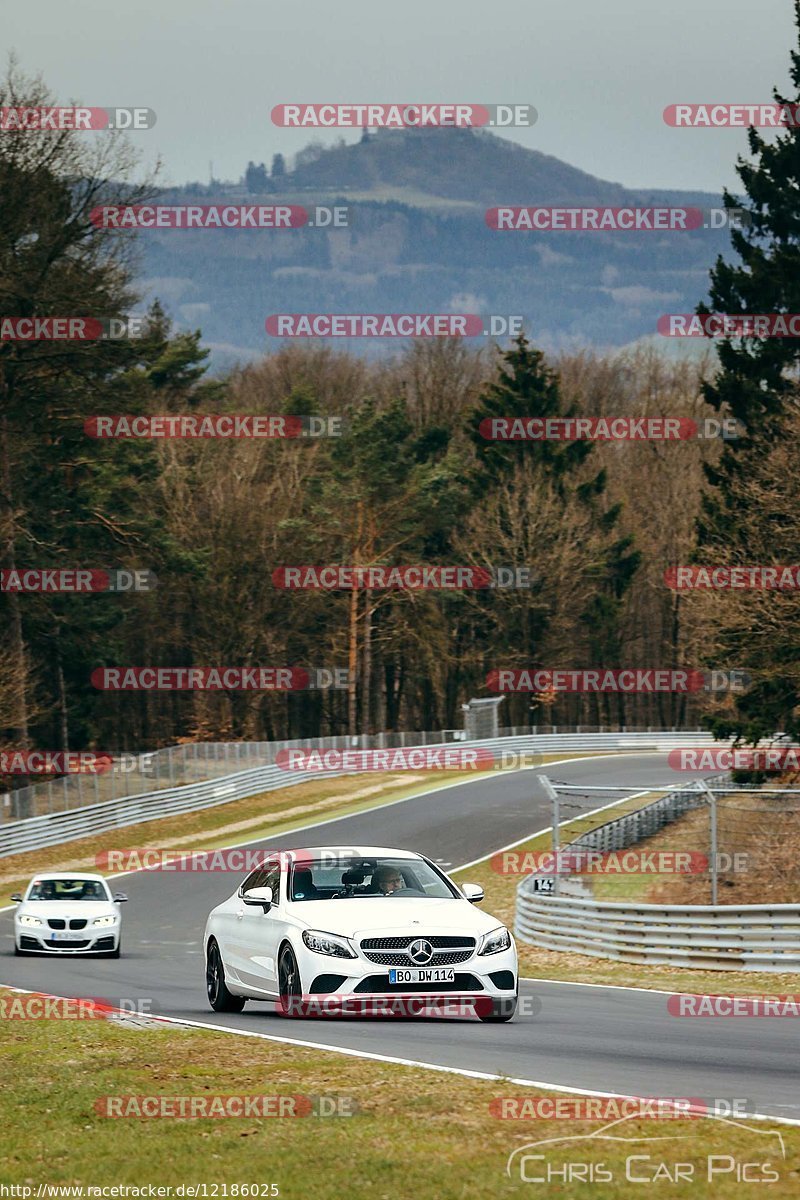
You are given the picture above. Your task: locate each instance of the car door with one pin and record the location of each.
(258, 933)
(227, 927)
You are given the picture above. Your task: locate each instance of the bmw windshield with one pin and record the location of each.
(68, 889)
(373, 878)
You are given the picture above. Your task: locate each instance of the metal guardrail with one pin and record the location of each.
(179, 766)
(53, 829)
(753, 937)
(191, 762)
(50, 829)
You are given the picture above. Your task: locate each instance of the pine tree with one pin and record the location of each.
(526, 387)
(757, 384)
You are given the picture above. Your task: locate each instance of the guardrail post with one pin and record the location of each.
(712, 800)
(553, 796)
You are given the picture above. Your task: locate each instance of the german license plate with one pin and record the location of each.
(421, 975)
(66, 935)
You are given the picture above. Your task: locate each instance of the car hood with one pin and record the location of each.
(67, 908)
(395, 916)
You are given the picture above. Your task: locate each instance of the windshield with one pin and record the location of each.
(68, 889)
(372, 877)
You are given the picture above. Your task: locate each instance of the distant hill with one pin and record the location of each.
(459, 164)
(418, 242)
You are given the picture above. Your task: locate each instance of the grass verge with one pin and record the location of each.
(415, 1133)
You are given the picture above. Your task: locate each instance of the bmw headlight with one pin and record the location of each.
(104, 920)
(328, 943)
(495, 941)
(26, 920)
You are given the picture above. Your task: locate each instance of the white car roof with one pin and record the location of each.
(357, 851)
(66, 875)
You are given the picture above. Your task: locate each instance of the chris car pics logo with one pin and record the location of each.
(615, 1153)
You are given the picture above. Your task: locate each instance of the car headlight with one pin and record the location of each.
(26, 920)
(104, 920)
(328, 943)
(495, 941)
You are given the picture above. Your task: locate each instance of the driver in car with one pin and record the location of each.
(386, 880)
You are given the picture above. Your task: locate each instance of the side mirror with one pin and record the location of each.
(17, 898)
(259, 896)
(472, 892)
(120, 897)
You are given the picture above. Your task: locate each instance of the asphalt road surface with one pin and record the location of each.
(609, 1040)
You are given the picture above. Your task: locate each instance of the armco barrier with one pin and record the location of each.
(752, 937)
(54, 828)
(33, 833)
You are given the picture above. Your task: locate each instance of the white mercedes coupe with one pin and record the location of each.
(68, 914)
(357, 923)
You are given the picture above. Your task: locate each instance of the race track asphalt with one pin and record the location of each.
(600, 1039)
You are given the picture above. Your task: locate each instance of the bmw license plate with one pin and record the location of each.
(66, 935)
(421, 975)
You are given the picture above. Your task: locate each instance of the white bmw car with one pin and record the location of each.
(357, 922)
(68, 914)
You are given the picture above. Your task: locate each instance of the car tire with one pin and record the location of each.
(17, 952)
(220, 999)
(115, 953)
(289, 985)
(502, 1010)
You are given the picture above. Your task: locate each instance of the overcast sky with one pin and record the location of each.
(599, 72)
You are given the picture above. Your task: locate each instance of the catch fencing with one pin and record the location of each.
(135, 775)
(52, 828)
(560, 913)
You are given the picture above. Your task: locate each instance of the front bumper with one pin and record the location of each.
(35, 940)
(491, 975)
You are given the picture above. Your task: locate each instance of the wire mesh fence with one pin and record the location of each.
(704, 842)
(178, 766)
